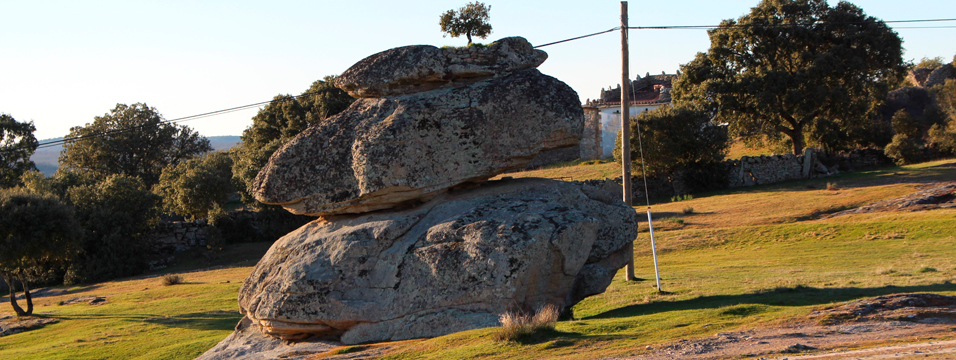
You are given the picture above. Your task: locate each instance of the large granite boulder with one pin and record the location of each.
(381, 152)
(452, 264)
(417, 68)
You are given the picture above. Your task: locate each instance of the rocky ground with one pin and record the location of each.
(10, 325)
(930, 196)
(885, 327)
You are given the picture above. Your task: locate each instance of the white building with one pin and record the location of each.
(647, 94)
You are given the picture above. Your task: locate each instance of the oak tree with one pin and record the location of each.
(35, 229)
(132, 140)
(798, 69)
(469, 20)
(17, 144)
(195, 187)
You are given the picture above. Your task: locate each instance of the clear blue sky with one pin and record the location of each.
(64, 62)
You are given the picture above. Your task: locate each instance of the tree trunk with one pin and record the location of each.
(468, 35)
(796, 138)
(26, 294)
(13, 294)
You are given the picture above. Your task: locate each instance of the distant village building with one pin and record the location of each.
(647, 93)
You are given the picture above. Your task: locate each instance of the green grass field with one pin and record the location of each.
(741, 259)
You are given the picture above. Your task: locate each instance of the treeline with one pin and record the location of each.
(767, 82)
(117, 175)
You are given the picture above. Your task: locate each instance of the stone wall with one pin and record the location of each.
(175, 236)
(758, 170)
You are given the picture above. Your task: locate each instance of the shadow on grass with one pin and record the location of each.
(47, 292)
(783, 296)
(208, 320)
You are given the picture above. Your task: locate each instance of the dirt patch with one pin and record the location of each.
(882, 326)
(930, 196)
(10, 325)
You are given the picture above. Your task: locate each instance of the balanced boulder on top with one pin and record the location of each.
(382, 152)
(417, 68)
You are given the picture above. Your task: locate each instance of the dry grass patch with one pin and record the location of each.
(171, 279)
(518, 327)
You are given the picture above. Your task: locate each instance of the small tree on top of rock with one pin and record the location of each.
(470, 20)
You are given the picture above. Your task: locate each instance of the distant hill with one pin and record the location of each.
(46, 158)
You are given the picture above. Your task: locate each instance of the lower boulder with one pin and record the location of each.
(454, 263)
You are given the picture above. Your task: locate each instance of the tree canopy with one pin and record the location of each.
(132, 140)
(196, 186)
(35, 229)
(116, 214)
(798, 69)
(930, 63)
(469, 20)
(17, 144)
(285, 117)
(675, 138)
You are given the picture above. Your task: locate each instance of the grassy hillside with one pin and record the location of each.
(739, 259)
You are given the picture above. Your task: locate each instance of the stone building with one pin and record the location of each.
(647, 93)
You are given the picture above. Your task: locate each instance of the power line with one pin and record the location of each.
(579, 37)
(706, 27)
(66, 139)
(698, 27)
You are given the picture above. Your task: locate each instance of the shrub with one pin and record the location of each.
(926, 269)
(196, 187)
(682, 197)
(943, 138)
(688, 210)
(904, 124)
(116, 214)
(904, 150)
(832, 186)
(517, 326)
(171, 279)
(675, 138)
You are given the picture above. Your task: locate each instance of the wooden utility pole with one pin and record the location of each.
(626, 132)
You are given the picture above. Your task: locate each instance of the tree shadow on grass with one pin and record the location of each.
(208, 320)
(781, 296)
